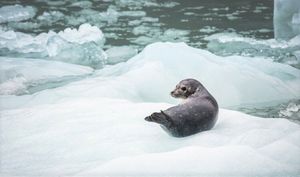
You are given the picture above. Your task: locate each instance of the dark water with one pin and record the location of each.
(195, 19)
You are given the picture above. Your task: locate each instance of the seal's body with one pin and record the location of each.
(198, 113)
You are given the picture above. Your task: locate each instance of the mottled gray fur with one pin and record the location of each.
(198, 113)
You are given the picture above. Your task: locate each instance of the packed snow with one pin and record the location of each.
(96, 126)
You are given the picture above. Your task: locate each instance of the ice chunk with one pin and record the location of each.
(82, 46)
(85, 33)
(120, 54)
(50, 17)
(87, 54)
(132, 13)
(292, 110)
(286, 18)
(208, 29)
(227, 44)
(24, 25)
(111, 15)
(16, 13)
(83, 4)
(154, 34)
(175, 33)
(18, 75)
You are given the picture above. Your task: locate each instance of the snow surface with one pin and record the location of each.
(286, 18)
(96, 126)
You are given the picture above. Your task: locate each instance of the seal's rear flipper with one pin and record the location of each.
(148, 118)
(160, 118)
(156, 117)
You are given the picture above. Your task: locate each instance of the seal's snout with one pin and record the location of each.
(175, 94)
(172, 93)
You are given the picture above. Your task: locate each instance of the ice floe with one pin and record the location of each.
(16, 13)
(19, 75)
(96, 126)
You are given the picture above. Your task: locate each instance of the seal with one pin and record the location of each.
(198, 113)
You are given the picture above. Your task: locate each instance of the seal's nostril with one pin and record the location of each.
(172, 92)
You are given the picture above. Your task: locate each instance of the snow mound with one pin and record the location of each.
(18, 75)
(16, 13)
(82, 46)
(104, 137)
(232, 80)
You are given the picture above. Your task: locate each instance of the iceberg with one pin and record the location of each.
(95, 126)
(20, 76)
(286, 19)
(15, 13)
(78, 46)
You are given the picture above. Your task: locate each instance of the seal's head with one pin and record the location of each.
(185, 88)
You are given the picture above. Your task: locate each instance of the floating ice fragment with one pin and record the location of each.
(85, 33)
(24, 25)
(82, 4)
(50, 17)
(111, 15)
(16, 13)
(208, 29)
(292, 110)
(132, 13)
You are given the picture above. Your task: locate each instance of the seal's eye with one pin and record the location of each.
(183, 88)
